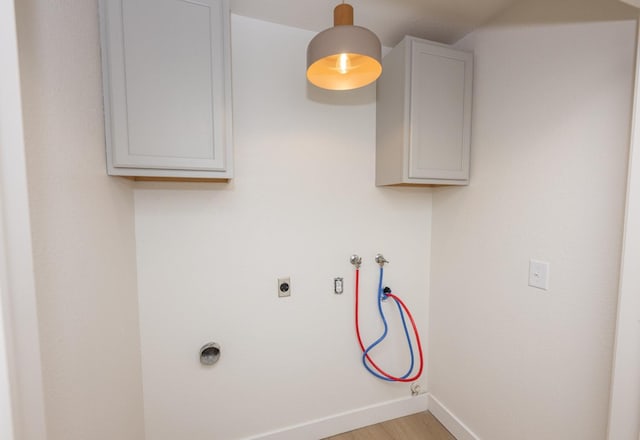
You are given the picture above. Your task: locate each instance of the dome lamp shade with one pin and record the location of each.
(345, 56)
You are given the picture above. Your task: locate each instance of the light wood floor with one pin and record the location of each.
(421, 426)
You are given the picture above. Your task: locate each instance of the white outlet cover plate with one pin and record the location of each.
(539, 274)
(284, 293)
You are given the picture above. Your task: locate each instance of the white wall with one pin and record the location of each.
(6, 412)
(303, 200)
(9, 103)
(552, 103)
(624, 421)
(83, 230)
(21, 401)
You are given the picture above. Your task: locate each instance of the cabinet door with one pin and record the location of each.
(166, 67)
(440, 112)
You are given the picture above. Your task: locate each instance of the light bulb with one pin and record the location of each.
(343, 64)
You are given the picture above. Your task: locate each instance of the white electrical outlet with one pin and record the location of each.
(539, 274)
(338, 285)
(284, 287)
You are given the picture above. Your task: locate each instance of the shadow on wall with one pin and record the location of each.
(362, 96)
(564, 11)
(187, 186)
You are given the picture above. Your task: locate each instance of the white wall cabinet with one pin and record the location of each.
(167, 88)
(423, 123)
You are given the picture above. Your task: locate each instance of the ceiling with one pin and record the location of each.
(444, 21)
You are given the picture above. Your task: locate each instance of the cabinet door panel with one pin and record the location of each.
(440, 106)
(168, 80)
(167, 84)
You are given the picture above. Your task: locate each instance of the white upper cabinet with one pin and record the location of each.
(424, 115)
(167, 88)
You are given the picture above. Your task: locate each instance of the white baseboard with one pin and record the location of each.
(455, 426)
(348, 421)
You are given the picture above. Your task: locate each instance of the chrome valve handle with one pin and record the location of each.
(356, 261)
(381, 260)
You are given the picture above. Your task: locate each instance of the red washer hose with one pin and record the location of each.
(415, 332)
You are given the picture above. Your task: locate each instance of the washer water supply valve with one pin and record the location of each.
(381, 260)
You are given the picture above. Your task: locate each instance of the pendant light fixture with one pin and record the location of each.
(345, 56)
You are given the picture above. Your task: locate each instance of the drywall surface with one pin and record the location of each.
(83, 230)
(21, 401)
(624, 421)
(6, 413)
(303, 200)
(552, 106)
